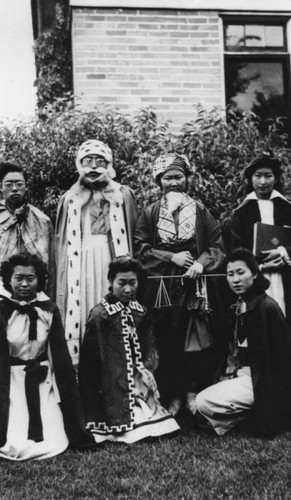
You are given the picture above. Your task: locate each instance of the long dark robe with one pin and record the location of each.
(269, 352)
(242, 230)
(172, 323)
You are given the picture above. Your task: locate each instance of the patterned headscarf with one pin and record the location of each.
(166, 162)
(94, 147)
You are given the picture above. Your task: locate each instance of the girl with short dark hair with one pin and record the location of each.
(41, 411)
(255, 376)
(266, 204)
(117, 360)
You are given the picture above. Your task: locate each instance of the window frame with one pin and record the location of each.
(260, 54)
(255, 21)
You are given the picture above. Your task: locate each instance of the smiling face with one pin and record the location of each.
(14, 189)
(24, 283)
(94, 172)
(239, 277)
(124, 286)
(173, 180)
(263, 180)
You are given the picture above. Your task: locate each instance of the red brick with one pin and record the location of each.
(96, 76)
(196, 20)
(116, 32)
(192, 85)
(179, 34)
(96, 18)
(107, 99)
(84, 69)
(170, 99)
(171, 84)
(135, 48)
(166, 58)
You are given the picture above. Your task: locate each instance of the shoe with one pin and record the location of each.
(175, 407)
(191, 402)
(202, 423)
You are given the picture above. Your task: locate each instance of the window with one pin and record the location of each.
(257, 69)
(254, 36)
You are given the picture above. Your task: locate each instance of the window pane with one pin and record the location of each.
(257, 87)
(274, 36)
(234, 35)
(255, 36)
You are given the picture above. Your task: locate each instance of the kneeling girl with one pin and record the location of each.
(256, 374)
(117, 360)
(40, 406)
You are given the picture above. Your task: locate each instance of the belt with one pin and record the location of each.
(35, 374)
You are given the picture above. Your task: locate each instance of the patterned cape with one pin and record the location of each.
(109, 354)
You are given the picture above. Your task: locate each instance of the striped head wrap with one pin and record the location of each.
(170, 161)
(94, 147)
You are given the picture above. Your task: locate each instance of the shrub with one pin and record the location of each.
(219, 149)
(53, 58)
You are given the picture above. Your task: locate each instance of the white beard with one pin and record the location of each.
(174, 200)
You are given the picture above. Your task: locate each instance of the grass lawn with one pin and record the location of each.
(191, 465)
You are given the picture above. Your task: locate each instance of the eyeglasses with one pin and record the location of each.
(10, 184)
(89, 160)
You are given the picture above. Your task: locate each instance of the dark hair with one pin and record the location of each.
(265, 160)
(260, 283)
(24, 259)
(124, 265)
(6, 168)
(246, 256)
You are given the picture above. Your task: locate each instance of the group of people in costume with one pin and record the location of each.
(118, 320)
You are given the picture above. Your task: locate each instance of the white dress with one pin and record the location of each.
(55, 441)
(276, 289)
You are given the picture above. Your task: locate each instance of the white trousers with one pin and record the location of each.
(227, 403)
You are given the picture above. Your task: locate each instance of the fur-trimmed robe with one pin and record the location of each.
(130, 215)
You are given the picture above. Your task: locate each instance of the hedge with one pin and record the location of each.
(218, 148)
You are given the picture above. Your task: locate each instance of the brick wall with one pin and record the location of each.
(130, 58)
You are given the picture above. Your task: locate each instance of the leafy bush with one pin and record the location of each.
(53, 58)
(219, 149)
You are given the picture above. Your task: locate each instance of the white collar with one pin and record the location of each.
(5, 294)
(274, 194)
(253, 196)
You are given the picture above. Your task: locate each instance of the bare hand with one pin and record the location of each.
(194, 271)
(270, 254)
(182, 259)
(273, 265)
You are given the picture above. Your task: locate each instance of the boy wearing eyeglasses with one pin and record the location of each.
(23, 227)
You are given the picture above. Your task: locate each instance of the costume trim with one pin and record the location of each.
(252, 196)
(187, 219)
(120, 245)
(131, 343)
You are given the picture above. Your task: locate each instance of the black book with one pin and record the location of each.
(267, 237)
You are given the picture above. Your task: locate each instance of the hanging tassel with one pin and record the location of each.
(162, 298)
